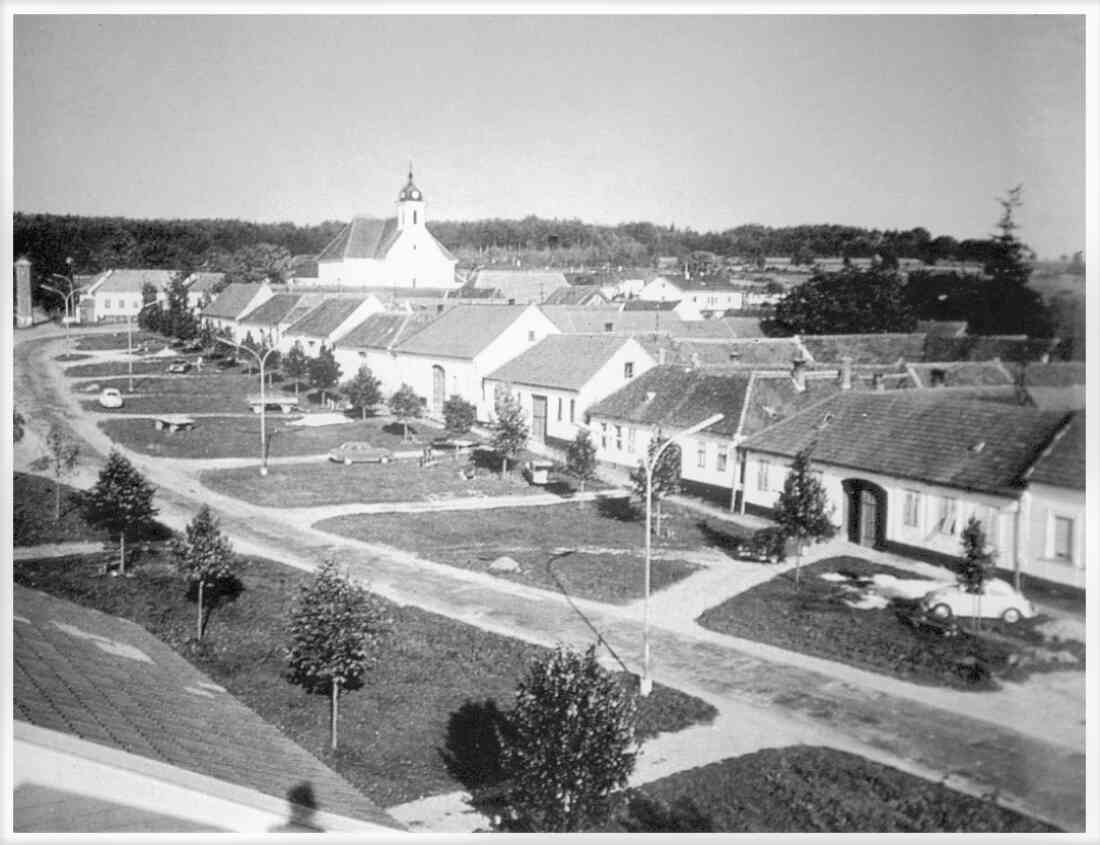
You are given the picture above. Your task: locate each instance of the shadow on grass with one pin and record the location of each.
(473, 754)
(620, 509)
(397, 429)
(215, 595)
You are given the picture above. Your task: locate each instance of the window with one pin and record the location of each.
(912, 508)
(723, 457)
(603, 435)
(1063, 539)
(763, 470)
(628, 370)
(559, 408)
(608, 326)
(949, 514)
(619, 437)
(630, 432)
(572, 408)
(106, 305)
(414, 218)
(701, 455)
(122, 305)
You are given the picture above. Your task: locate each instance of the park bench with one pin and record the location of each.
(286, 404)
(173, 423)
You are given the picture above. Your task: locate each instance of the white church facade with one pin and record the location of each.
(398, 252)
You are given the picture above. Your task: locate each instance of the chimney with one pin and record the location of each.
(798, 374)
(846, 372)
(938, 377)
(662, 355)
(877, 382)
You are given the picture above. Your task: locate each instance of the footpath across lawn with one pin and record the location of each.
(820, 620)
(398, 731)
(239, 437)
(806, 789)
(606, 562)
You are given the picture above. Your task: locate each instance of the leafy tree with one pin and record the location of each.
(364, 390)
(296, 364)
(570, 744)
(180, 319)
(510, 429)
(204, 557)
(459, 415)
(150, 319)
(261, 262)
(61, 458)
(18, 424)
(324, 372)
(581, 457)
(666, 476)
(976, 565)
(335, 627)
(848, 302)
(406, 405)
(802, 509)
(121, 501)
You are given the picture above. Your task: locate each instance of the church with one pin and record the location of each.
(396, 253)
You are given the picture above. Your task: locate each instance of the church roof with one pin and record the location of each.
(368, 237)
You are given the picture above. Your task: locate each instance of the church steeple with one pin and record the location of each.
(410, 204)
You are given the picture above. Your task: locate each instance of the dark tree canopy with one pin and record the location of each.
(848, 302)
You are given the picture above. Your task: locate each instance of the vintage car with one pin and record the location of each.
(354, 452)
(179, 367)
(110, 397)
(997, 601)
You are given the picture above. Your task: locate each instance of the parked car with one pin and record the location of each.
(354, 452)
(998, 601)
(110, 397)
(179, 367)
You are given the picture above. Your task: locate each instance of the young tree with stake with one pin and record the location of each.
(296, 364)
(406, 405)
(62, 456)
(364, 390)
(204, 557)
(976, 566)
(510, 429)
(570, 744)
(802, 509)
(121, 501)
(335, 627)
(581, 457)
(324, 372)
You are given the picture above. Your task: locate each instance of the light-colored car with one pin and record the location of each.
(356, 452)
(110, 397)
(998, 601)
(179, 367)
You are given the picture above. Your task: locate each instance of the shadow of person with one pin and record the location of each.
(301, 807)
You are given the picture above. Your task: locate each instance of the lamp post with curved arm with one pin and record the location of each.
(649, 464)
(70, 280)
(261, 360)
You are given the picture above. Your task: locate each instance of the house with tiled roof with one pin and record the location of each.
(515, 287)
(685, 309)
(942, 328)
(959, 374)
(752, 352)
(372, 344)
(114, 732)
(1054, 385)
(236, 300)
(202, 287)
(453, 354)
(560, 376)
(884, 348)
(611, 319)
(270, 319)
(576, 295)
(395, 252)
(1008, 348)
(1053, 508)
(116, 295)
(328, 321)
(906, 469)
(710, 294)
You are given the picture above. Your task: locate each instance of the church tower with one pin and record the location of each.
(410, 206)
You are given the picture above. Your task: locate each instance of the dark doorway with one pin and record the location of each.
(439, 382)
(538, 418)
(866, 505)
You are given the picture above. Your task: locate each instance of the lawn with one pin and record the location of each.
(33, 509)
(116, 340)
(239, 437)
(104, 369)
(817, 621)
(210, 394)
(808, 789)
(607, 565)
(396, 732)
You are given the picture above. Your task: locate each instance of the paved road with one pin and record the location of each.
(781, 697)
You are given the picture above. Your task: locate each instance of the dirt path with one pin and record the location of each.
(977, 741)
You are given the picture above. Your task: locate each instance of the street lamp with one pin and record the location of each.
(70, 280)
(261, 360)
(650, 464)
(130, 340)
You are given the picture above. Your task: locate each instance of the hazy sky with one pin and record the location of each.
(708, 122)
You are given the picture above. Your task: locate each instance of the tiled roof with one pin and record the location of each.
(746, 352)
(1071, 398)
(111, 682)
(273, 311)
(594, 319)
(986, 348)
(942, 328)
(578, 295)
(201, 282)
(304, 305)
(463, 331)
(676, 398)
(742, 326)
(926, 435)
(865, 348)
(773, 398)
(386, 329)
(703, 283)
(132, 281)
(1055, 374)
(326, 317)
(231, 302)
(363, 237)
(520, 285)
(648, 305)
(1063, 465)
(566, 362)
(961, 373)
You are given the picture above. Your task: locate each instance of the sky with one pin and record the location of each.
(703, 121)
